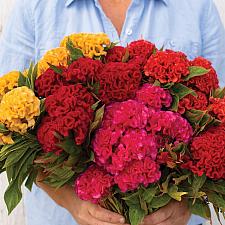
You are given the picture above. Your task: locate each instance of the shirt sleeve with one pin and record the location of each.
(17, 41)
(213, 39)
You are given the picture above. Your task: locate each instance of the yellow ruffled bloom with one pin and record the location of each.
(18, 109)
(56, 57)
(8, 82)
(5, 139)
(90, 44)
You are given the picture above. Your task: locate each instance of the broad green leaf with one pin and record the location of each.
(175, 194)
(219, 93)
(136, 215)
(181, 90)
(56, 69)
(196, 71)
(216, 200)
(31, 179)
(12, 196)
(21, 80)
(3, 128)
(200, 208)
(217, 186)
(197, 184)
(160, 201)
(132, 199)
(149, 193)
(168, 85)
(175, 103)
(178, 180)
(75, 53)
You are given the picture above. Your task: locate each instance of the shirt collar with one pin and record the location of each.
(68, 2)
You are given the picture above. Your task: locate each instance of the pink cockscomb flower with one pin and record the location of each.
(94, 184)
(136, 173)
(154, 97)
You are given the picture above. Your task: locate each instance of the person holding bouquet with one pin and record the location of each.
(35, 26)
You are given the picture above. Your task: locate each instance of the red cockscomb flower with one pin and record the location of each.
(115, 54)
(167, 66)
(207, 82)
(217, 108)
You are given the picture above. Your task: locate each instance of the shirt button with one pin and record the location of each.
(129, 31)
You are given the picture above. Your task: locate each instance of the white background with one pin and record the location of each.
(17, 217)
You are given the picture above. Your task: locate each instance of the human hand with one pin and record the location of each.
(175, 213)
(85, 213)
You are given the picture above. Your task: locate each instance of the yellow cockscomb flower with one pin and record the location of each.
(90, 44)
(8, 82)
(18, 109)
(5, 139)
(56, 57)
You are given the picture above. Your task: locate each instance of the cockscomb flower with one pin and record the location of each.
(208, 154)
(154, 97)
(8, 82)
(19, 109)
(94, 184)
(138, 172)
(167, 66)
(217, 108)
(115, 54)
(55, 57)
(92, 45)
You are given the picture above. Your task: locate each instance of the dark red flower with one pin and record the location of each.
(94, 184)
(189, 102)
(167, 66)
(115, 54)
(83, 70)
(208, 154)
(48, 82)
(140, 51)
(207, 82)
(118, 81)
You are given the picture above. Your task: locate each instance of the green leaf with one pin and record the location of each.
(31, 179)
(12, 196)
(175, 103)
(3, 128)
(75, 53)
(157, 83)
(168, 85)
(200, 208)
(136, 215)
(56, 69)
(126, 56)
(196, 71)
(160, 201)
(197, 184)
(149, 193)
(218, 93)
(178, 180)
(217, 186)
(132, 199)
(98, 119)
(112, 45)
(175, 194)
(42, 106)
(181, 91)
(95, 106)
(216, 199)
(21, 80)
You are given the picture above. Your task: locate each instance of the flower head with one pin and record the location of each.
(167, 66)
(115, 54)
(92, 45)
(18, 109)
(217, 108)
(94, 184)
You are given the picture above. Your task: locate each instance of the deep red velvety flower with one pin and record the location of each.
(217, 108)
(167, 66)
(207, 82)
(118, 81)
(208, 154)
(83, 70)
(115, 54)
(94, 184)
(140, 51)
(48, 83)
(136, 173)
(189, 102)
(154, 97)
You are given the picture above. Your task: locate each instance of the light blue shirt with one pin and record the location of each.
(35, 26)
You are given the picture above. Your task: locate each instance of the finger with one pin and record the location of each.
(106, 215)
(94, 221)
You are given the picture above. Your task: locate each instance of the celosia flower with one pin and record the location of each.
(118, 81)
(48, 83)
(18, 109)
(92, 45)
(94, 184)
(140, 51)
(207, 82)
(6, 139)
(154, 97)
(170, 126)
(138, 173)
(83, 70)
(56, 57)
(199, 102)
(208, 154)
(115, 54)
(8, 82)
(217, 108)
(167, 66)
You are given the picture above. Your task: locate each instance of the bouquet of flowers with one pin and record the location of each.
(131, 128)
